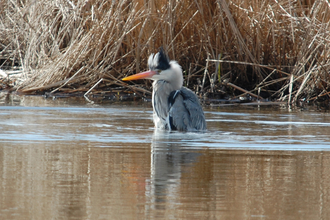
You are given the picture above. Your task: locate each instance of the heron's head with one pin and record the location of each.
(161, 68)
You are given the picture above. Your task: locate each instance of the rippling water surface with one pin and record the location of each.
(67, 159)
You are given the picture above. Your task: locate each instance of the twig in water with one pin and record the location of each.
(219, 67)
(66, 82)
(318, 96)
(205, 71)
(188, 75)
(216, 73)
(302, 85)
(290, 89)
(92, 88)
(243, 90)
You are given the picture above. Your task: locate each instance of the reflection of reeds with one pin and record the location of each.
(268, 46)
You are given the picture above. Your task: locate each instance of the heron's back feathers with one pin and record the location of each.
(185, 111)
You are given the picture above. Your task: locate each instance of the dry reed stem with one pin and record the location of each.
(243, 90)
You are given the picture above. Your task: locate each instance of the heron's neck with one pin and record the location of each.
(160, 94)
(163, 89)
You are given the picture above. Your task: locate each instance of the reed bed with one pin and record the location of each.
(275, 49)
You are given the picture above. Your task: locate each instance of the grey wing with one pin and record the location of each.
(186, 113)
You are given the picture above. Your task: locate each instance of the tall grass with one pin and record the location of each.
(279, 48)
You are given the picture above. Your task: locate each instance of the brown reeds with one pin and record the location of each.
(275, 48)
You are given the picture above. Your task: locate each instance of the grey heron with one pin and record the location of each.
(175, 107)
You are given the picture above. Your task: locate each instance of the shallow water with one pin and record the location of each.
(67, 159)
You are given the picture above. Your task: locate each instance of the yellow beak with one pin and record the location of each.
(143, 75)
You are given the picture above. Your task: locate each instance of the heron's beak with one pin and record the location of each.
(144, 75)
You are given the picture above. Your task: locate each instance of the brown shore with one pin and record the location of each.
(238, 51)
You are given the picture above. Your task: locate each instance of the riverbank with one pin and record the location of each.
(229, 50)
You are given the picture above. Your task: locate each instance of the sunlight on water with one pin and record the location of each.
(70, 160)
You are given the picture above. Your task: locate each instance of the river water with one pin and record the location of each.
(69, 159)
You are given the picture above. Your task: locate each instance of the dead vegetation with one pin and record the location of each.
(276, 49)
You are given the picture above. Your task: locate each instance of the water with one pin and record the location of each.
(67, 159)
